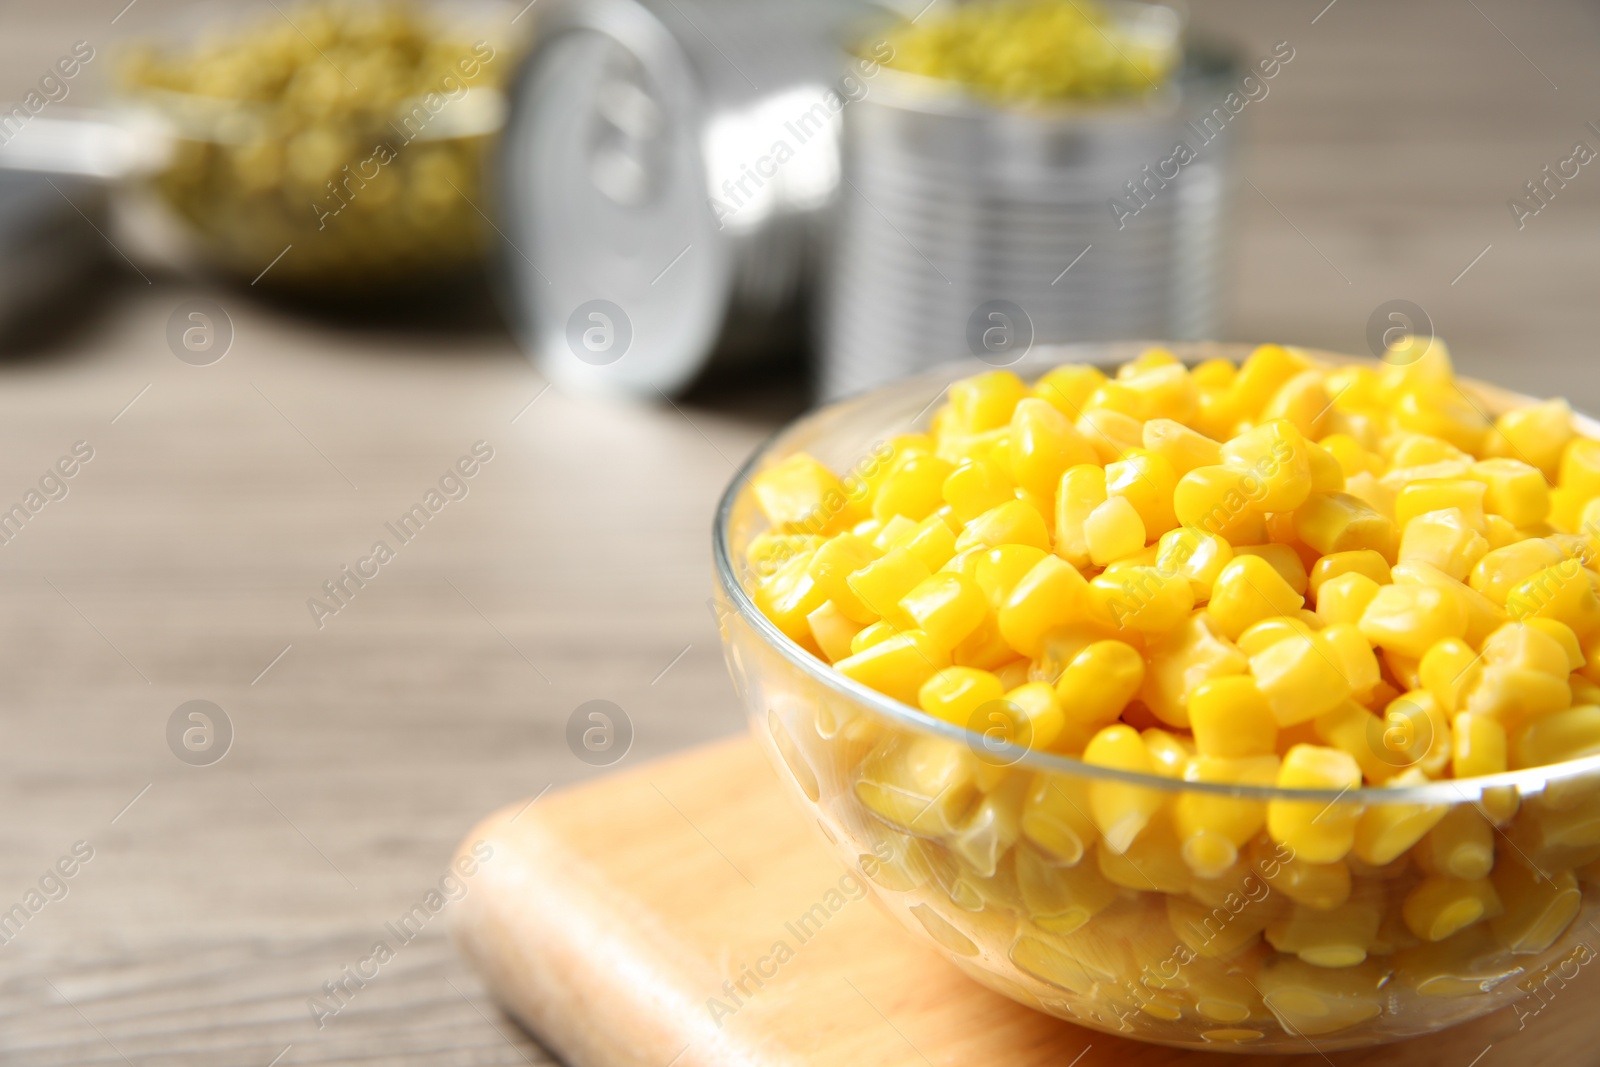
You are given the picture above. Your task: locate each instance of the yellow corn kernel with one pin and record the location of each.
(1214, 373)
(1500, 532)
(1184, 658)
(956, 693)
(1069, 387)
(871, 635)
(1448, 415)
(984, 401)
(914, 488)
(1439, 906)
(1478, 745)
(1448, 670)
(1231, 719)
(1385, 832)
(1013, 523)
(1061, 899)
(1268, 632)
(769, 551)
(1301, 678)
(1304, 403)
(1362, 735)
(1214, 828)
(1563, 635)
(1080, 491)
(1556, 736)
(1182, 448)
(1445, 540)
(832, 631)
(947, 607)
(1248, 590)
(1519, 644)
(1354, 658)
(835, 560)
(896, 666)
(1169, 753)
(880, 584)
(1351, 457)
(1336, 937)
(925, 786)
(1051, 595)
(1121, 812)
(998, 571)
(1033, 717)
(1217, 500)
(1483, 615)
(1564, 592)
(1566, 512)
(1461, 966)
(1151, 862)
(1345, 598)
(1318, 831)
(1055, 817)
(1315, 885)
(1224, 930)
(1146, 481)
(1195, 555)
(974, 487)
(1284, 560)
(1276, 464)
(1327, 476)
(1112, 433)
(799, 494)
(1166, 391)
(1502, 569)
(1099, 681)
(1537, 433)
(1409, 619)
(1310, 1001)
(1514, 490)
(1265, 371)
(1017, 672)
(1512, 696)
(931, 540)
(1460, 846)
(1113, 530)
(1043, 444)
(789, 595)
(884, 535)
(1538, 907)
(1441, 494)
(1580, 467)
(1142, 599)
(1340, 522)
(1115, 396)
(983, 648)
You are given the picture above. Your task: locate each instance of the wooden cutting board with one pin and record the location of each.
(608, 916)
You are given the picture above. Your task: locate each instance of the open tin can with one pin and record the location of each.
(971, 227)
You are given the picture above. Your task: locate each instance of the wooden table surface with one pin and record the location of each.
(178, 567)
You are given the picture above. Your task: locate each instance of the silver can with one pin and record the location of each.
(966, 227)
(666, 173)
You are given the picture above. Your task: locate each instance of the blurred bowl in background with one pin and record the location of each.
(340, 142)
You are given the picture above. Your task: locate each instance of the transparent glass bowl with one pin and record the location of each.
(984, 849)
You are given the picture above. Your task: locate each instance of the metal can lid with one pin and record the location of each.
(618, 279)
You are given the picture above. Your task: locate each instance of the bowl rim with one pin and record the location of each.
(1446, 791)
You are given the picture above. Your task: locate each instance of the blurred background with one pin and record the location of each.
(496, 263)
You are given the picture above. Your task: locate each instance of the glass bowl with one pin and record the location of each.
(988, 851)
(344, 171)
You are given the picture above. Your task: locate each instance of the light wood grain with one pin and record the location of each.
(611, 914)
(186, 550)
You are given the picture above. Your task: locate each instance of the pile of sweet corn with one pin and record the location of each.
(325, 125)
(1280, 573)
(1032, 50)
